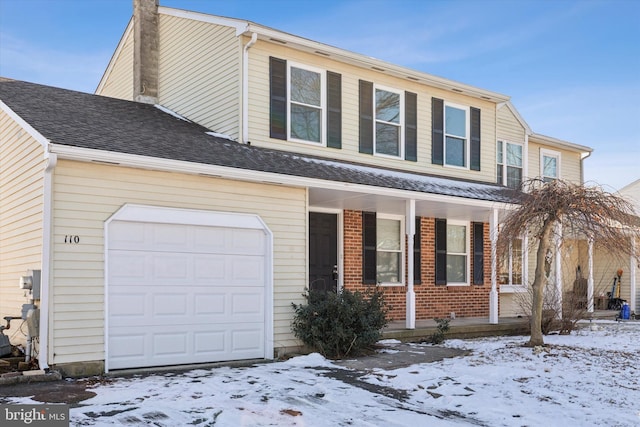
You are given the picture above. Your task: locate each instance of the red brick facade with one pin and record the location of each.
(431, 301)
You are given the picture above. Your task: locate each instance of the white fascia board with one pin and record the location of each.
(239, 24)
(225, 172)
(27, 127)
(114, 57)
(363, 61)
(536, 137)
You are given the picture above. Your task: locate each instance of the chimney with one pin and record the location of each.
(145, 48)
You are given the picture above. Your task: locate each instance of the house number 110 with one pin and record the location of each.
(72, 239)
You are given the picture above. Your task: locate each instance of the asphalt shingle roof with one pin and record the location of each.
(90, 121)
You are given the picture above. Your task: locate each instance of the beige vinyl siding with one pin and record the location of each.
(21, 212)
(200, 72)
(570, 162)
(88, 194)
(509, 128)
(119, 81)
(259, 114)
(605, 266)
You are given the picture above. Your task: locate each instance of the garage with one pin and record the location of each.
(186, 286)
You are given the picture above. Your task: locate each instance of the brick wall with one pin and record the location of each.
(431, 300)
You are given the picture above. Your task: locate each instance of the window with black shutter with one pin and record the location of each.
(366, 117)
(411, 126)
(417, 266)
(369, 239)
(437, 131)
(441, 251)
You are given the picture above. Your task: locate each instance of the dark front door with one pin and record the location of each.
(323, 251)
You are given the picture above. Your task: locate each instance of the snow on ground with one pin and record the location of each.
(590, 378)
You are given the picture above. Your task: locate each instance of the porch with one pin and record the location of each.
(471, 327)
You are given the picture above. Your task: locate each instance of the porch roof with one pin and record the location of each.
(75, 119)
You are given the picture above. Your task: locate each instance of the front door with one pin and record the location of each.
(323, 251)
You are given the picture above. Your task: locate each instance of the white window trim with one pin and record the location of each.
(400, 124)
(323, 103)
(550, 153)
(402, 246)
(503, 163)
(467, 144)
(522, 287)
(467, 225)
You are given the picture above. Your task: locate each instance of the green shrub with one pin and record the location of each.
(340, 324)
(443, 327)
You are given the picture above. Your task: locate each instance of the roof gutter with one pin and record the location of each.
(271, 178)
(245, 88)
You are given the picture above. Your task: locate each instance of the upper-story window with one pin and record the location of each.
(456, 131)
(510, 161)
(305, 104)
(387, 122)
(389, 117)
(549, 165)
(455, 137)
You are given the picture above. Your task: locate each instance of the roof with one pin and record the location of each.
(83, 120)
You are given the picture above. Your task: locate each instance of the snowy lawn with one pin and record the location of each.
(590, 378)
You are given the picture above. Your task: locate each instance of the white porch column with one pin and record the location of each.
(590, 279)
(410, 225)
(558, 266)
(493, 295)
(632, 277)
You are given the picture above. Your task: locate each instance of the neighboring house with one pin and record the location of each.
(606, 266)
(183, 233)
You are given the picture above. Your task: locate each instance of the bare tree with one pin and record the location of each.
(589, 212)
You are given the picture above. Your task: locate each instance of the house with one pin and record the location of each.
(223, 167)
(607, 266)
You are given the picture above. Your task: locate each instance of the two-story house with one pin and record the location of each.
(223, 167)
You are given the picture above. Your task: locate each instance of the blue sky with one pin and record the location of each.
(571, 67)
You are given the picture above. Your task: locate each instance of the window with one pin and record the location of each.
(455, 136)
(510, 268)
(549, 165)
(457, 253)
(383, 249)
(452, 257)
(510, 161)
(306, 104)
(388, 135)
(389, 250)
(387, 122)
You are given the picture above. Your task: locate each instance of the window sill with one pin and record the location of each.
(457, 284)
(390, 284)
(512, 289)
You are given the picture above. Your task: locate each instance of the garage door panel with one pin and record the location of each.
(184, 294)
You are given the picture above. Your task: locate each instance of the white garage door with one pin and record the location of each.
(185, 293)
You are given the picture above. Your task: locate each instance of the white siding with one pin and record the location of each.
(259, 114)
(88, 194)
(200, 73)
(119, 82)
(509, 128)
(21, 189)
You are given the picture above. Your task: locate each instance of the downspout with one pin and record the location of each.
(582, 159)
(47, 213)
(245, 88)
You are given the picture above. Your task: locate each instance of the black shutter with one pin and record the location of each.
(366, 117)
(278, 98)
(410, 126)
(478, 253)
(334, 110)
(441, 251)
(437, 131)
(369, 242)
(475, 139)
(417, 270)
